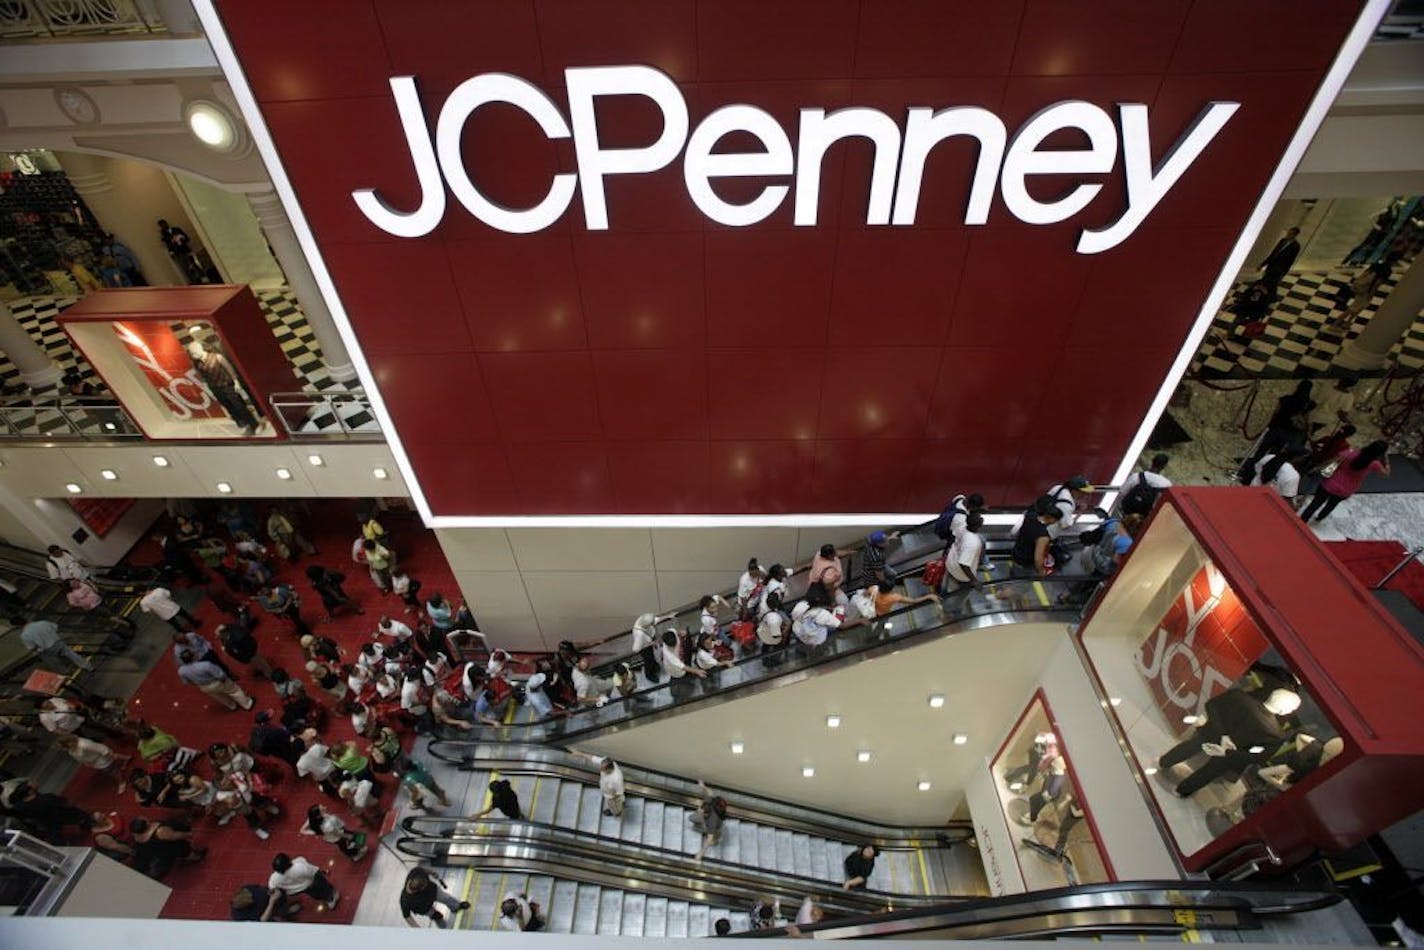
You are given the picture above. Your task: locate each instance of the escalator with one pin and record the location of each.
(583, 860)
(1002, 601)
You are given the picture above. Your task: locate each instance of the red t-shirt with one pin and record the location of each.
(1346, 479)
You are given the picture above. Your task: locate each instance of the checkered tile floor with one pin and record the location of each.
(1297, 338)
(284, 317)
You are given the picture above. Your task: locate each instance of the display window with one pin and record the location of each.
(1057, 843)
(1217, 722)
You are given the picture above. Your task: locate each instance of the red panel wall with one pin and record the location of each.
(671, 364)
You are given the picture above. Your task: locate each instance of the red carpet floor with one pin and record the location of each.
(236, 856)
(1370, 561)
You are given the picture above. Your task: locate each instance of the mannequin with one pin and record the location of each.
(1239, 730)
(1055, 774)
(1024, 774)
(1303, 755)
(218, 374)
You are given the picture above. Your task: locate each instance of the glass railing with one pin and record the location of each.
(63, 418)
(346, 414)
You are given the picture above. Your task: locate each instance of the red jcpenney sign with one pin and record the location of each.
(901, 149)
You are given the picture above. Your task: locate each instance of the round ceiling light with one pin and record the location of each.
(212, 125)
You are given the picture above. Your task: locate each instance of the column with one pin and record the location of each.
(288, 251)
(1389, 323)
(134, 226)
(36, 368)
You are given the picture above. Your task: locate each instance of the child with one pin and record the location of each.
(407, 588)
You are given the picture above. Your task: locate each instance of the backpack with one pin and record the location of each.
(944, 524)
(1141, 498)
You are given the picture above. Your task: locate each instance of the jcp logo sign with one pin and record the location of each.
(1006, 163)
(161, 356)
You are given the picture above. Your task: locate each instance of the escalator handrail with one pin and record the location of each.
(1176, 894)
(565, 734)
(744, 805)
(517, 831)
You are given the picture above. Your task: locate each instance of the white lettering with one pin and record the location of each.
(896, 178)
(469, 96)
(1025, 159)
(423, 219)
(700, 164)
(1146, 186)
(819, 130)
(595, 162)
(924, 129)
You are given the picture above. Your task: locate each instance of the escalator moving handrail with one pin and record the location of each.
(1235, 890)
(810, 662)
(883, 836)
(518, 831)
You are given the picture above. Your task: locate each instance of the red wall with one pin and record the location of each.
(674, 365)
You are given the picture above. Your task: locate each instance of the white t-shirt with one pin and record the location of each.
(610, 783)
(814, 625)
(160, 603)
(295, 879)
(410, 697)
(1287, 480)
(745, 585)
(772, 628)
(314, 762)
(63, 720)
(705, 660)
(585, 685)
(964, 556)
(1151, 478)
(361, 792)
(96, 755)
(396, 629)
(645, 631)
(66, 567)
(709, 623)
(863, 603)
(673, 664)
(772, 587)
(515, 923)
(1063, 498)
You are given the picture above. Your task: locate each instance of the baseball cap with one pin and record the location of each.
(1079, 483)
(877, 538)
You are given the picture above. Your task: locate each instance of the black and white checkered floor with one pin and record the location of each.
(1297, 340)
(284, 317)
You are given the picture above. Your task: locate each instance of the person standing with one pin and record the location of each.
(64, 566)
(709, 818)
(274, 739)
(1275, 265)
(1067, 497)
(422, 891)
(281, 601)
(1031, 543)
(295, 876)
(519, 913)
(239, 643)
(1280, 473)
(1285, 427)
(177, 558)
(1332, 409)
(125, 260)
(1141, 489)
(210, 678)
(42, 638)
(96, 756)
(378, 560)
(859, 865)
(966, 551)
(159, 602)
(645, 644)
(1355, 466)
(503, 799)
(610, 783)
(327, 583)
(290, 542)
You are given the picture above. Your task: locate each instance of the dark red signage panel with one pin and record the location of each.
(655, 359)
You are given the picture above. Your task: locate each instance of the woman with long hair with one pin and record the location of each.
(1354, 467)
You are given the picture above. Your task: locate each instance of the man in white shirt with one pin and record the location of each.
(591, 690)
(965, 554)
(390, 627)
(1132, 502)
(159, 602)
(610, 783)
(314, 762)
(293, 876)
(1066, 498)
(60, 716)
(812, 625)
(63, 566)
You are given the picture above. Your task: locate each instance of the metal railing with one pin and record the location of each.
(43, 19)
(345, 414)
(56, 418)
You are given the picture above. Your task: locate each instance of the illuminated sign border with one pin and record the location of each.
(1360, 34)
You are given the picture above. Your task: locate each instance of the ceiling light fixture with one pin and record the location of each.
(161, 461)
(110, 427)
(1149, 771)
(1189, 720)
(936, 700)
(212, 125)
(1114, 701)
(108, 474)
(737, 747)
(380, 473)
(923, 785)
(285, 474)
(833, 722)
(863, 755)
(316, 460)
(225, 488)
(808, 771)
(960, 738)
(73, 488)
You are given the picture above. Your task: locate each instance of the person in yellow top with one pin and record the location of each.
(82, 275)
(371, 529)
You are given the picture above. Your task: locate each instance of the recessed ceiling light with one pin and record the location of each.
(379, 472)
(1149, 771)
(960, 738)
(285, 474)
(161, 461)
(73, 488)
(1190, 720)
(225, 488)
(1114, 700)
(808, 771)
(833, 722)
(863, 755)
(110, 427)
(1256, 749)
(923, 785)
(936, 701)
(108, 474)
(316, 460)
(737, 747)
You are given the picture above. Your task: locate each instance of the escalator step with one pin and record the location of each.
(699, 920)
(634, 908)
(561, 907)
(676, 919)
(655, 917)
(610, 912)
(590, 812)
(652, 823)
(802, 862)
(820, 860)
(586, 911)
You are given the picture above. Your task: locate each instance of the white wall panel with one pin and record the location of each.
(676, 588)
(512, 631)
(582, 549)
(580, 629)
(489, 592)
(809, 540)
(40, 473)
(591, 593)
(721, 549)
(477, 549)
